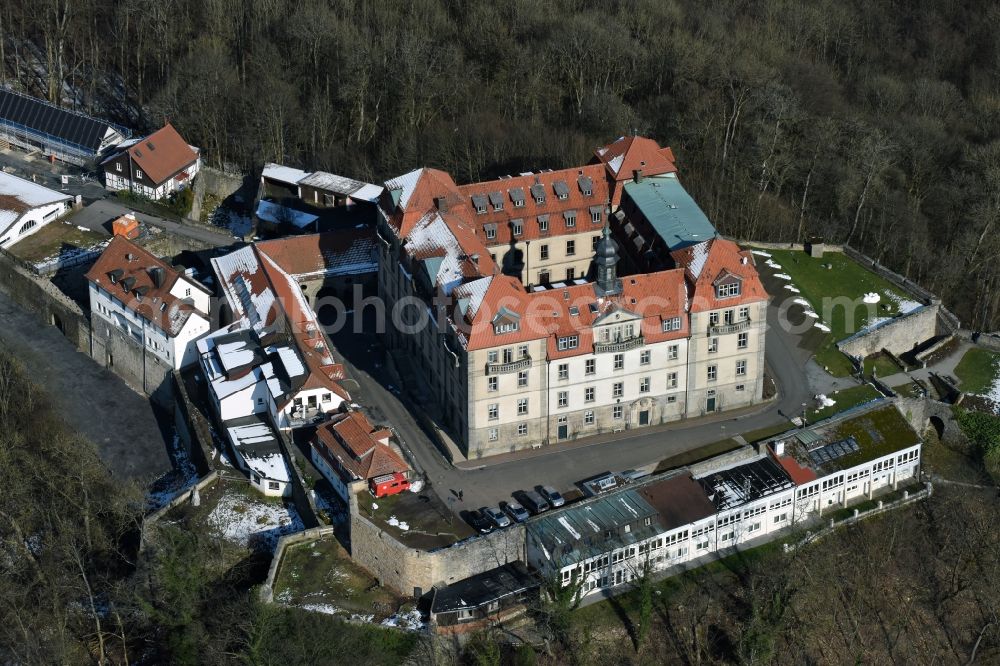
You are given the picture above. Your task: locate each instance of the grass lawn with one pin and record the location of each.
(54, 238)
(845, 279)
(882, 366)
(430, 523)
(908, 390)
(845, 399)
(321, 573)
(696, 455)
(978, 371)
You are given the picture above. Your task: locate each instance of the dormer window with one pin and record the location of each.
(479, 203)
(538, 194)
(506, 321)
(543, 223)
(517, 197)
(570, 217)
(561, 190)
(586, 185)
(728, 289)
(517, 227)
(491, 231)
(496, 200)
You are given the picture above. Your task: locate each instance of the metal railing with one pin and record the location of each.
(726, 329)
(620, 346)
(511, 366)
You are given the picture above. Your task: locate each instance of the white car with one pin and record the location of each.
(552, 495)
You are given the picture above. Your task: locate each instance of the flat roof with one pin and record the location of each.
(680, 500)
(477, 591)
(671, 211)
(745, 483)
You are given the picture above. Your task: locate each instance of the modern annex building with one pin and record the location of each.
(559, 304)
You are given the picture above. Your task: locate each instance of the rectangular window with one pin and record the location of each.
(570, 220)
(742, 340)
(569, 342)
(671, 399)
(522, 429)
(744, 313)
(508, 355)
(494, 411)
(617, 412)
(543, 277)
(741, 368)
(570, 248)
(671, 380)
(644, 385)
(618, 389)
(494, 434)
(644, 357)
(570, 274)
(563, 398)
(619, 361)
(492, 383)
(590, 366)
(672, 352)
(712, 373)
(672, 324)
(544, 252)
(588, 417)
(713, 318)
(728, 290)
(491, 232)
(741, 387)
(138, 174)
(595, 215)
(564, 371)
(516, 228)
(118, 166)
(522, 351)
(522, 379)
(543, 222)
(522, 406)
(588, 394)
(713, 345)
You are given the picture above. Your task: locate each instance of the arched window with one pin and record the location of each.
(27, 226)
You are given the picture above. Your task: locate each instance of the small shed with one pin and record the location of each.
(126, 225)
(492, 596)
(815, 247)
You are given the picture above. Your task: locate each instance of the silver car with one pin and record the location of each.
(515, 511)
(498, 517)
(552, 495)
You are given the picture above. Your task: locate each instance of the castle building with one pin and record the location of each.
(560, 304)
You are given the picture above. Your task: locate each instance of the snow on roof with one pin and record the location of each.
(257, 445)
(616, 163)
(342, 185)
(283, 174)
(431, 239)
(246, 286)
(475, 291)
(278, 214)
(235, 354)
(291, 361)
(18, 196)
(699, 254)
(407, 183)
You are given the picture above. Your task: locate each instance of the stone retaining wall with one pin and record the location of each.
(413, 572)
(898, 335)
(267, 589)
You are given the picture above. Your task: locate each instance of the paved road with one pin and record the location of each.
(564, 466)
(91, 399)
(99, 215)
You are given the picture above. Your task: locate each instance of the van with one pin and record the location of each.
(534, 502)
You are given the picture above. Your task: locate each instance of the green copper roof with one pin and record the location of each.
(670, 210)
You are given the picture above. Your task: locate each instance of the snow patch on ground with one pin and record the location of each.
(253, 523)
(773, 264)
(183, 476)
(783, 276)
(822, 327)
(238, 225)
(810, 313)
(801, 301)
(872, 297)
(825, 401)
(792, 288)
(408, 621)
(903, 305)
(761, 253)
(402, 525)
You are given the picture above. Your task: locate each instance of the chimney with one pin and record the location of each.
(156, 275)
(637, 175)
(441, 203)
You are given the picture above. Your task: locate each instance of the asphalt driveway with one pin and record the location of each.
(91, 399)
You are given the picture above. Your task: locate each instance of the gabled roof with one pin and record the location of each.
(63, 124)
(347, 252)
(410, 196)
(706, 262)
(670, 211)
(129, 273)
(161, 155)
(631, 153)
(355, 445)
(18, 196)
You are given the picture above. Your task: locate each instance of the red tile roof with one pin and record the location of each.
(324, 252)
(708, 262)
(162, 154)
(631, 153)
(135, 287)
(352, 443)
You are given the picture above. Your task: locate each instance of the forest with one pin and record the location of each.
(871, 123)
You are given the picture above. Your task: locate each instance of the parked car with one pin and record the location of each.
(479, 521)
(498, 517)
(515, 511)
(552, 495)
(534, 502)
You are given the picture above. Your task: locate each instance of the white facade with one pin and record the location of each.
(726, 529)
(115, 181)
(177, 351)
(31, 207)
